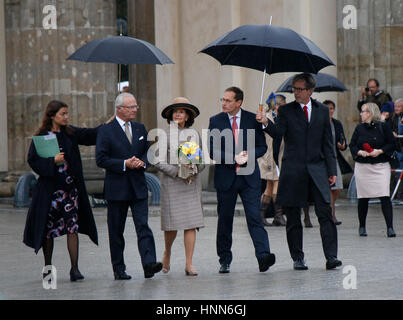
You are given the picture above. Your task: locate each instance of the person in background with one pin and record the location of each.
(269, 165)
(370, 145)
(372, 93)
(340, 144)
(395, 122)
(387, 111)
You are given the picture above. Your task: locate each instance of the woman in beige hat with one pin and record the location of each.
(181, 207)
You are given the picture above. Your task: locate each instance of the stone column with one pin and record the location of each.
(3, 95)
(142, 78)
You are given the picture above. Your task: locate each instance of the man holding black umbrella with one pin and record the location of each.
(308, 167)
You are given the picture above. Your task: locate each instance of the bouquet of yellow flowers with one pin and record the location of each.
(189, 154)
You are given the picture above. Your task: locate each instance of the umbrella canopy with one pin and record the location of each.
(324, 83)
(120, 50)
(268, 48)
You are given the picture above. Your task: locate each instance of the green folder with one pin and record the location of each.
(46, 146)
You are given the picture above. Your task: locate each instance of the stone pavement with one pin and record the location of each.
(376, 259)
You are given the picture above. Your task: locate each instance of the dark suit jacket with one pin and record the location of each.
(112, 149)
(42, 194)
(224, 173)
(308, 152)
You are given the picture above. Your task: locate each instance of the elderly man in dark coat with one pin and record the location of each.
(308, 167)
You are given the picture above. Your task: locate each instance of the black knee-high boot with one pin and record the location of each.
(362, 211)
(387, 211)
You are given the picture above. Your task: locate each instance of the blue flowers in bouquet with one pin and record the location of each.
(191, 151)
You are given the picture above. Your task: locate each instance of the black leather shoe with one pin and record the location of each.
(152, 268)
(391, 233)
(362, 232)
(266, 262)
(332, 263)
(300, 265)
(122, 275)
(337, 222)
(76, 276)
(224, 268)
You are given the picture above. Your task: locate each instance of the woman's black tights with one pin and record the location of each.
(47, 248)
(72, 246)
(387, 211)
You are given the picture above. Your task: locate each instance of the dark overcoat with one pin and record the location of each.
(308, 152)
(35, 230)
(340, 137)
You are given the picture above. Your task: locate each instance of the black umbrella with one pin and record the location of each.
(268, 48)
(324, 83)
(120, 50)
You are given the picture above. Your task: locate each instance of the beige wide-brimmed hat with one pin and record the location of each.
(179, 102)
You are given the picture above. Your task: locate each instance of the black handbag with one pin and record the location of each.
(393, 157)
(394, 160)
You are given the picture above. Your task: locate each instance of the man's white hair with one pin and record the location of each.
(119, 98)
(399, 100)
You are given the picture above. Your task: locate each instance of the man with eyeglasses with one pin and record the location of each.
(308, 167)
(371, 93)
(122, 151)
(232, 155)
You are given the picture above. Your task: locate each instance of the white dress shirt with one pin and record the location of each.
(238, 118)
(122, 125)
(309, 106)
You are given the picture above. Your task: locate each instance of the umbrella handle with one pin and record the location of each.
(261, 95)
(264, 76)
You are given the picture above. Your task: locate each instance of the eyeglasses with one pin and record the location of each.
(295, 89)
(131, 107)
(362, 111)
(226, 100)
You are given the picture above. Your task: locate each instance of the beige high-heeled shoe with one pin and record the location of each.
(191, 273)
(165, 269)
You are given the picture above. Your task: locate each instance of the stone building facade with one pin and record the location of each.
(34, 70)
(37, 70)
(372, 50)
